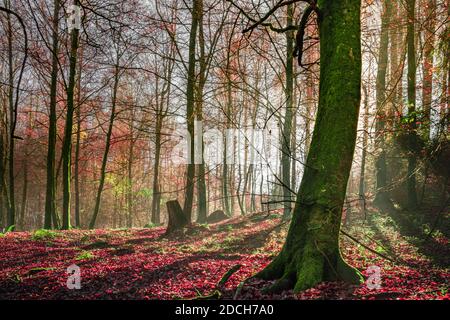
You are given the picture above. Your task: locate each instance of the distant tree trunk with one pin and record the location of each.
(381, 197)
(11, 218)
(225, 194)
(67, 141)
(228, 140)
(445, 96)
(78, 146)
(190, 102)
(77, 152)
(396, 67)
(311, 252)
(294, 146)
(287, 125)
(362, 192)
(107, 146)
(201, 185)
(156, 199)
(412, 134)
(50, 196)
(427, 66)
(3, 198)
(130, 175)
(23, 205)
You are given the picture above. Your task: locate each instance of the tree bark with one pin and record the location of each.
(427, 66)
(67, 141)
(156, 199)
(50, 196)
(381, 197)
(412, 134)
(107, 146)
(190, 99)
(177, 218)
(11, 217)
(362, 187)
(77, 149)
(311, 252)
(201, 184)
(287, 125)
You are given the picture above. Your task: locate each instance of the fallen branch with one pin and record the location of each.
(227, 275)
(217, 293)
(368, 248)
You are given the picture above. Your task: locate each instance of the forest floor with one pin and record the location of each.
(142, 264)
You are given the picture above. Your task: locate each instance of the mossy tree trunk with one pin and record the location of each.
(311, 252)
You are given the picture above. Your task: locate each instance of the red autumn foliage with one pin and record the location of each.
(142, 264)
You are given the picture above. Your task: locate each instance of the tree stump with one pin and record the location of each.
(217, 216)
(177, 218)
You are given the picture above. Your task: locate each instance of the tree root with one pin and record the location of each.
(306, 271)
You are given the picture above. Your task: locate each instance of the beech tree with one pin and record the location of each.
(311, 253)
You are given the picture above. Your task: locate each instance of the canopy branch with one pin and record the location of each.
(299, 38)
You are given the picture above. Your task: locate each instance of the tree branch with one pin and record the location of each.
(299, 38)
(8, 11)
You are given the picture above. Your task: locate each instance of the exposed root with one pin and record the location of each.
(306, 271)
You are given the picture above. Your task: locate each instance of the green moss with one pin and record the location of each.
(43, 234)
(152, 225)
(85, 255)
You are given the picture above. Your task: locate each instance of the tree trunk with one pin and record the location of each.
(11, 218)
(311, 252)
(25, 185)
(412, 134)
(50, 196)
(381, 197)
(287, 125)
(201, 184)
(107, 147)
(177, 218)
(67, 141)
(130, 175)
(427, 86)
(77, 146)
(3, 198)
(190, 102)
(156, 199)
(362, 188)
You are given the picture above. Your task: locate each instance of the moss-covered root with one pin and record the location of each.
(274, 270)
(306, 271)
